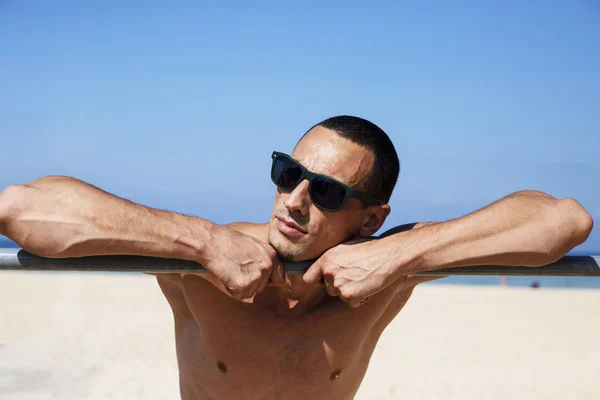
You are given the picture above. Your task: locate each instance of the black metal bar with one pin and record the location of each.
(18, 259)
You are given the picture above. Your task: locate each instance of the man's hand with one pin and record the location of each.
(62, 217)
(242, 263)
(358, 269)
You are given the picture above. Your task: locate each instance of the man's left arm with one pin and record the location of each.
(526, 228)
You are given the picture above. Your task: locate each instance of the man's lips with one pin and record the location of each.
(289, 227)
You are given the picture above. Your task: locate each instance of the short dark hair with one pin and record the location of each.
(386, 166)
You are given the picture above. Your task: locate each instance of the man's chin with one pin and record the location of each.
(289, 255)
(298, 258)
(288, 251)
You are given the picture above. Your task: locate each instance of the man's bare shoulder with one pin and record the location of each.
(258, 231)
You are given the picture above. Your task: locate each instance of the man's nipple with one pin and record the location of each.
(335, 374)
(222, 367)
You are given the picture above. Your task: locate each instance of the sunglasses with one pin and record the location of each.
(325, 192)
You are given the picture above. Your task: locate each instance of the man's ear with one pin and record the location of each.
(374, 219)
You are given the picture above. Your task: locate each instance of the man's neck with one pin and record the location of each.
(294, 300)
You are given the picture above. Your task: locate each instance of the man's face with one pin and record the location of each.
(324, 152)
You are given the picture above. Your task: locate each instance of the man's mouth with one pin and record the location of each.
(289, 227)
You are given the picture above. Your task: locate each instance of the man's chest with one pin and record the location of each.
(221, 341)
(330, 332)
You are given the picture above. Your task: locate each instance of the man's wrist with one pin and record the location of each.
(188, 236)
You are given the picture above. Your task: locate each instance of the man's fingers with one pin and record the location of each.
(330, 288)
(329, 280)
(329, 271)
(236, 295)
(358, 303)
(263, 284)
(278, 275)
(314, 274)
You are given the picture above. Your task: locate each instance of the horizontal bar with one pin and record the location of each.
(18, 259)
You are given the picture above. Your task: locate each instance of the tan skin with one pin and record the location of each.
(296, 342)
(283, 344)
(245, 331)
(330, 154)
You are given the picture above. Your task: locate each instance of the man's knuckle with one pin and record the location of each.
(255, 275)
(234, 288)
(265, 266)
(348, 294)
(238, 285)
(238, 296)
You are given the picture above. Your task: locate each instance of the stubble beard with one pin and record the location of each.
(284, 253)
(286, 250)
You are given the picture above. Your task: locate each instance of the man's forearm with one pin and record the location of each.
(523, 229)
(65, 217)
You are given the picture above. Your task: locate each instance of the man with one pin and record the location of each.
(248, 331)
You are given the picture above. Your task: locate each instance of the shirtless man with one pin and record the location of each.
(247, 331)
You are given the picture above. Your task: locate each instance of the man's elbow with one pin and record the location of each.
(53, 180)
(574, 227)
(14, 198)
(581, 220)
(9, 203)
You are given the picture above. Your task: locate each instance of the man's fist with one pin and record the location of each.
(242, 263)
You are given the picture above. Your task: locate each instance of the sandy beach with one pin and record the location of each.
(102, 336)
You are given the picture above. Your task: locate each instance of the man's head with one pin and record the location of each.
(353, 151)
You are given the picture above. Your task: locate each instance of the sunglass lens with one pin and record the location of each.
(286, 173)
(327, 193)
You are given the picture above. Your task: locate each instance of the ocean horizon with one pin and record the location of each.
(580, 282)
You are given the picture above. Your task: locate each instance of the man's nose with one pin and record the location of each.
(299, 199)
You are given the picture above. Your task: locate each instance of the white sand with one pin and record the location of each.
(95, 336)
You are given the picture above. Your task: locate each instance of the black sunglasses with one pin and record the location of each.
(327, 193)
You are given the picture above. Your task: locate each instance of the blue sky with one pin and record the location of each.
(179, 106)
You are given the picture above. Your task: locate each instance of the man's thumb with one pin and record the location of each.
(313, 275)
(278, 275)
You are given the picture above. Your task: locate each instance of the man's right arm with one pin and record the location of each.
(62, 217)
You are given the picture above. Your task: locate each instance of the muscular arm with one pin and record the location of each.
(64, 217)
(526, 228)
